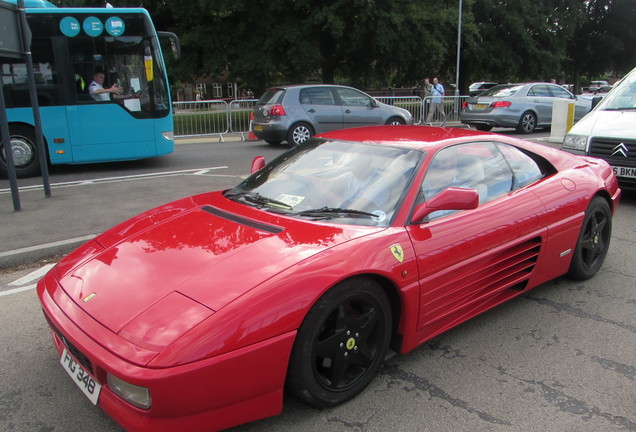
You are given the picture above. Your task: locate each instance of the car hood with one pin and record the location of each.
(608, 124)
(190, 263)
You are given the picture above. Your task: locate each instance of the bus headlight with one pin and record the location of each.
(575, 142)
(135, 395)
(169, 135)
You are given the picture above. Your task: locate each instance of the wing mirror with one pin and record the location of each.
(451, 198)
(257, 164)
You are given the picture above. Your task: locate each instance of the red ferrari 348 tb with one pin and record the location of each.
(198, 314)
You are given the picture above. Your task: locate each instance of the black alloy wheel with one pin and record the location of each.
(594, 240)
(341, 344)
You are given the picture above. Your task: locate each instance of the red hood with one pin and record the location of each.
(209, 253)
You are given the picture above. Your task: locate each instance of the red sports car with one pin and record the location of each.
(197, 315)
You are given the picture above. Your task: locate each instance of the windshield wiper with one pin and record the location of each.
(329, 212)
(620, 109)
(256, 198)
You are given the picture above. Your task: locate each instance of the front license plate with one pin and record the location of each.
(625, 172)
(81, 377)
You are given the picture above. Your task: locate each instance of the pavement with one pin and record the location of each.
(82, 210)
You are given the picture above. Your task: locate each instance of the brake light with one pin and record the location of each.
(277, 110)
(464, 104)
(500, 104)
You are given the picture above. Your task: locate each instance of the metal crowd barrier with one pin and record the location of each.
(446, 111)
(218, 117)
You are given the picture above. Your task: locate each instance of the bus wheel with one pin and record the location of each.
(24, 151)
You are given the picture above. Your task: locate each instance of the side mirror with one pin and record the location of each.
(596, 100)
(257, 164)
(451, 198)
(175, 44)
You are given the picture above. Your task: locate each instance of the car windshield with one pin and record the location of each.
(622, 96)
(503, 90)
(342, 182)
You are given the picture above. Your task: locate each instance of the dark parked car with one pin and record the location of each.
(295, 113)
(523, 106)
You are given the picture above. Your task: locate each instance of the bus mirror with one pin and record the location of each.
(175, 45)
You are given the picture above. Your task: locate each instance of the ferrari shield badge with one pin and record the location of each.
(397, 252)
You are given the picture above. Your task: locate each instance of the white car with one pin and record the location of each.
(609, 131)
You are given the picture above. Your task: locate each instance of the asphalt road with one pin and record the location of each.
(559, 358)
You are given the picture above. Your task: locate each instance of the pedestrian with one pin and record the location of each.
(427, 87)
(437, 92)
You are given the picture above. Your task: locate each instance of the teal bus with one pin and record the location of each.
(71, 46)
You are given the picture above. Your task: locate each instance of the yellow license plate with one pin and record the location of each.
(480, 106)
(258, 128)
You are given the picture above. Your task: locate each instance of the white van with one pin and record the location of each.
(609, 131)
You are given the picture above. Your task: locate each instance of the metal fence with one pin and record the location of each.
(218, 117)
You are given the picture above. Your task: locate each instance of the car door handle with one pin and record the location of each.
(312, 110)
(348, 111)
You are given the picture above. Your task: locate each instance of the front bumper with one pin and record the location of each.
(211, 394)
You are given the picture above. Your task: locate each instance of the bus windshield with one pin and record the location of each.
(101, 84)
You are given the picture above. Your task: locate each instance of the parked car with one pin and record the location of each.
(523, 106)
(599, 86)
(608, 131)
(479, 87)
(196, 315)
(295, 113)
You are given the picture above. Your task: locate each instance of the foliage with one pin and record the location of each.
(382, 43)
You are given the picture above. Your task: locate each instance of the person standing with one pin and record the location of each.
(427, 87)
(437, 92)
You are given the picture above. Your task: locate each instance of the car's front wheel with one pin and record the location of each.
(593, 242)
(395, 121)
(527, 123)
(341, 344)
(299, 133)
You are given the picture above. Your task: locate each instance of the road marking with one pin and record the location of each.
(195, 171)
(34, 275)
(17, 290)
(48, 245)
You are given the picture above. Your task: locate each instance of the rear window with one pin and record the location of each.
(503, 90)
(272, 96)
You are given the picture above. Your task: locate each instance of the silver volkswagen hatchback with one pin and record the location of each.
(294, 113)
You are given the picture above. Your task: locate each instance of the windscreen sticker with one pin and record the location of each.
(93, 26)
(115, 26)
(70, 26)
(290, 200)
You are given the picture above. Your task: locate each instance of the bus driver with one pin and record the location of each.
(97, 90)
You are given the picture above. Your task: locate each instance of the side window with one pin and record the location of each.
(351, 97)
(525, 169)
(539, 91)
(317, 96)
(560, 92)
(478, 166)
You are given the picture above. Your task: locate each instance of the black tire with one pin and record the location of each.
(299, 133)
(593, 242)
(341, 343)
(483, 128)
(273, 143)
(25, 153)
(527, 123)
(395, 121)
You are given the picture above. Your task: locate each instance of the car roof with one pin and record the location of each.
(431, 139)
(290, 86)
(417, 137)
